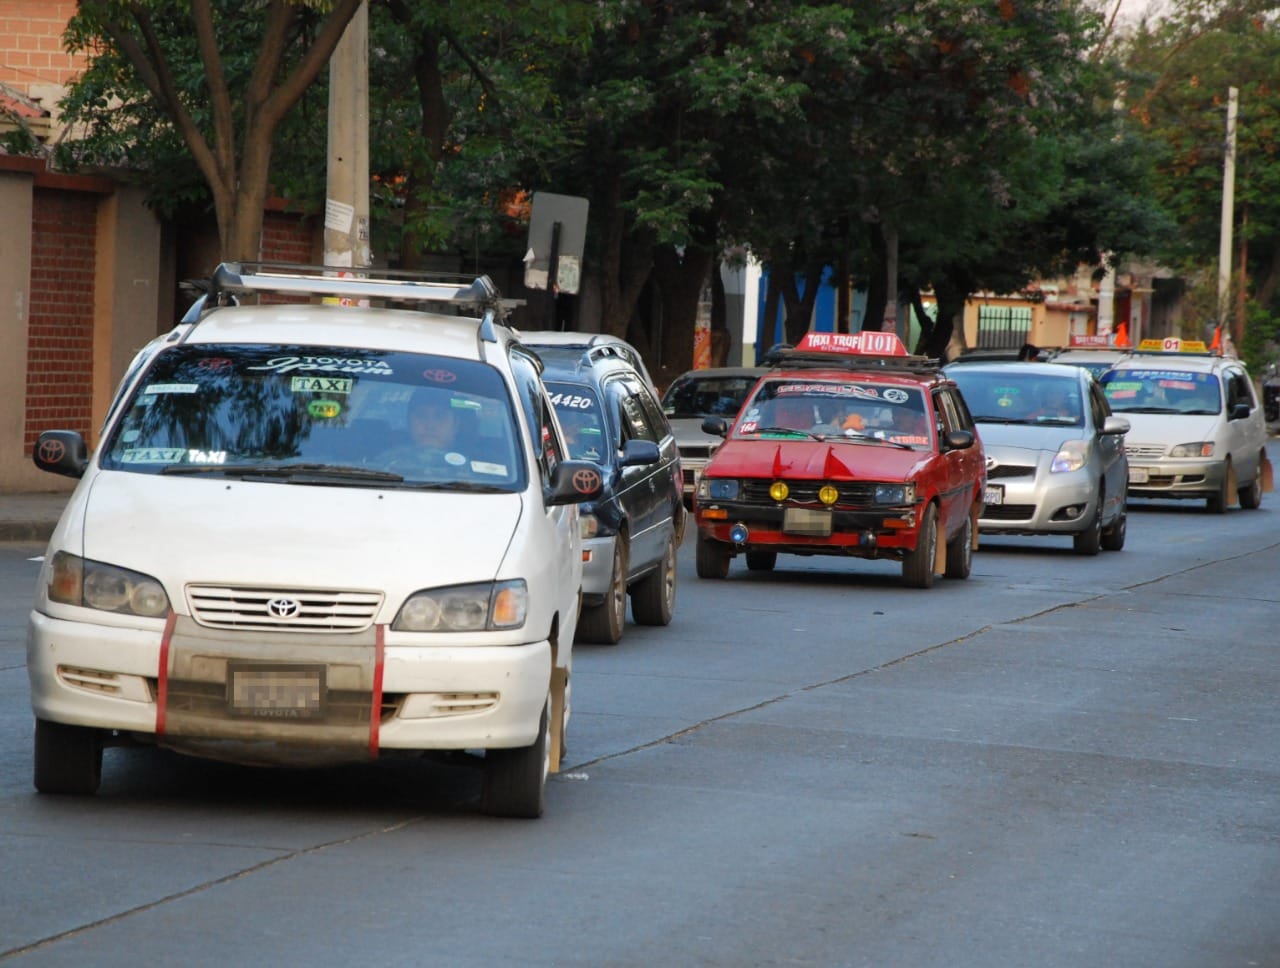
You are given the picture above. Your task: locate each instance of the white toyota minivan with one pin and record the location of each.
(317, 530)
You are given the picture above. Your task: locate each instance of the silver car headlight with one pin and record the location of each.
(1072, 456)
(484, 606)
(95, 584)
(1198, 448)
(895, 494)
(718, 489)
(588, 525)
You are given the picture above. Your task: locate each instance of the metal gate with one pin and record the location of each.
(1003, 327)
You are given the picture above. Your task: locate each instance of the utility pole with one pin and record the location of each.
(346, 210)
(1228, 209)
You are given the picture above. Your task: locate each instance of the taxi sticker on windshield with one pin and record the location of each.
(830, 390)
(152, 455)
(324, 409)
(486, 467)
(321, 384)
(1175, 384)
(206, 456)
(1123, 389)
(749, 427)
(172, 388)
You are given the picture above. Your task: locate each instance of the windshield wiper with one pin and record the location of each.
(866, 438)
(1145, 410)
(1001, 420)
(471, 487)
(344, 472)
(782, 430)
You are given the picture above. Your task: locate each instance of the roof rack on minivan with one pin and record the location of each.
(364, 283)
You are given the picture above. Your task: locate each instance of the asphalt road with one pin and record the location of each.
(1060, 762)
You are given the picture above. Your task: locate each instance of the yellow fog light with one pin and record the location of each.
(828, 495)
(778, 490)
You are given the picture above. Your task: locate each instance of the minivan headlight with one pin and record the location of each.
(109, 588)
(484, 606)
(1198, 448)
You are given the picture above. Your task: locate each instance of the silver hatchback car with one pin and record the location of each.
(1055, 453)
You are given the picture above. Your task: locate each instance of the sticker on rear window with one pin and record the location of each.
(324, 409)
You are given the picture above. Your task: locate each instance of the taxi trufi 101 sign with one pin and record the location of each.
(866, 343)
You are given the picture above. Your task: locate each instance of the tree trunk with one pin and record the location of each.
(626, 263)
(681, 280)
(877, 280)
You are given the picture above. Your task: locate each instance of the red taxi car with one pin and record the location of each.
(847, 446)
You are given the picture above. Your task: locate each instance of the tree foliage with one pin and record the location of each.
(1182, 67)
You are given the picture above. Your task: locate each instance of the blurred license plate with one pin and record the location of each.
(994, 494)
(1137, 475)
(275, 691)
(806, 521)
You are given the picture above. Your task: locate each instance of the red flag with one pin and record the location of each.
(1122, 334)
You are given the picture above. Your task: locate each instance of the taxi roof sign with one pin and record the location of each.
(1171, 344)
(866, 343)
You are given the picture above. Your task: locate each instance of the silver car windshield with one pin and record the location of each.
(1015, 395)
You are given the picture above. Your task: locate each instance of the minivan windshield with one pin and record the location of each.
(316, 415)
(1162, 391)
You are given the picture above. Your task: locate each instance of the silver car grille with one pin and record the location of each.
(1144, 451)
(281, 609)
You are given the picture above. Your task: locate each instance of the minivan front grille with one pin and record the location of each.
(281, 609)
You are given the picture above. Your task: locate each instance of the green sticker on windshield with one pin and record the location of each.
(324, 409)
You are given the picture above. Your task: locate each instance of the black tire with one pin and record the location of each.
(1113, 535)
(761, 560)
(515, 780)
(712, 558)
(68, 759)
(1218, 503)
(1089, 541)
(653, 597)
(960, 551)
(917, 565)
(1251, 494)
(603, 624)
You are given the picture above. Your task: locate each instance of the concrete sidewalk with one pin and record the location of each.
(30, 516)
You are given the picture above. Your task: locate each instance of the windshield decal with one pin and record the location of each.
(172, 388)
(152, 455)
(572, 401)
(439, 376)
(321, 384)
(324, 409)
(487, 467)
(334, 364)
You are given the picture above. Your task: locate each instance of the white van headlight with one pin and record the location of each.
(109, 588)
(1198, 448)
(465, 608)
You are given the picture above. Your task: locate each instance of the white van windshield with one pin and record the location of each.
(307, 414)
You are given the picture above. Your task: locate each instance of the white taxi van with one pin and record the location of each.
(1197, 429)
(325, 529)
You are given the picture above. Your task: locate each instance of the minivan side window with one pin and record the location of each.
(536, 410)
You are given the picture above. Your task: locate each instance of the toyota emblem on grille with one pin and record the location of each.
(283, 607)
(992, 463)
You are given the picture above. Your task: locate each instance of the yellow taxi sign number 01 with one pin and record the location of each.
(1171, 344)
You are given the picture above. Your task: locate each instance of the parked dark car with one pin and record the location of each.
(610, 415)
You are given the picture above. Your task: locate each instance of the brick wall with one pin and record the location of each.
(288, 237)
(31, 43)
(60, 321)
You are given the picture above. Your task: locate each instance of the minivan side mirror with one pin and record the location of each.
(61, 452)
(635, 452)
(1239, 411)
(715, 426)
(574, 481)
